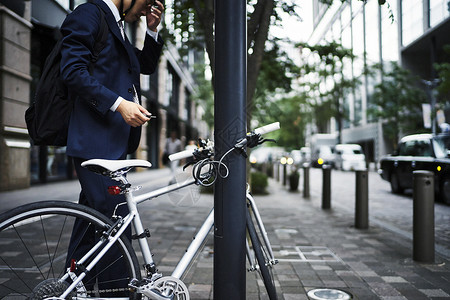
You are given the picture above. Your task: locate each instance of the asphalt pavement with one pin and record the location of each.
(316, 248)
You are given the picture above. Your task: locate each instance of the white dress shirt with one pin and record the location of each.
(153, 34)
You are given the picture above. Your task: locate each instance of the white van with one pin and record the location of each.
(349, 157)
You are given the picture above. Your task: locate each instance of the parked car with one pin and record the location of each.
(419, 152)
(323, 156)
(265, 154)
(301, 156)
(349, 157)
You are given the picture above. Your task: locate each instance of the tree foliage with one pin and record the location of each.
(397, 100)
(325, 67)
(443, 70)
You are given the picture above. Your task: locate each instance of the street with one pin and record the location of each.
(390, 211)
(316, 248)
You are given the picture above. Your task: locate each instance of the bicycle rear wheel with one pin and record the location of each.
(34, 239)
(263, 260)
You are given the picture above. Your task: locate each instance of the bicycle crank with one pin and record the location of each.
(165, 288)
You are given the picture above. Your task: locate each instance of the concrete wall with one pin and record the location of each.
(15, 40)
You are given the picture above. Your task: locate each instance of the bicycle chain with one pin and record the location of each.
(108, 291)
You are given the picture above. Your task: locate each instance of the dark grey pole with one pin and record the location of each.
(230, 124)
(306, 180)
(423, 216)
(326, 187)
(362, 200)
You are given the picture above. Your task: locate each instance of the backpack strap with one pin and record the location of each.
(101, 39)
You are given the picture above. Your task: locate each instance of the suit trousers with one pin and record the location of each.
(94, 193)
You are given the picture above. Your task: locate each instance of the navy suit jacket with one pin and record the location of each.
(94, 130)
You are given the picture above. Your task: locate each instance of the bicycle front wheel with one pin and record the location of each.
(34, 256)
(264, 265)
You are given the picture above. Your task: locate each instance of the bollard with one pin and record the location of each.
(284, 174)
(326, 187)
(423, 216)
(362, 200)
(305, 180)
(277, 171)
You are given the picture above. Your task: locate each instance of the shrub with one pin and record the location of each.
(259, 183)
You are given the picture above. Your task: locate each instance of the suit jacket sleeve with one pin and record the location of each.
(149, 56)
(79, 31)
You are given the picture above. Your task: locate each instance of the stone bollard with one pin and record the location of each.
(423, 216)
(326, 187)
(305, 180)
(362, 200)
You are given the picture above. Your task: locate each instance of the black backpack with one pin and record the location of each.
(48, 116)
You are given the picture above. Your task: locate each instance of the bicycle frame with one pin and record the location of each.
(134, 218)
(200, 236)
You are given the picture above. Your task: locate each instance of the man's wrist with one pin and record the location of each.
(153, 34)
(116, 104)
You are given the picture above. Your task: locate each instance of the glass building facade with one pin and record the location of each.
(411, 32)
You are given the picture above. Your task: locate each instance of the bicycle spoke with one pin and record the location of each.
(29, 253)
(17, 276)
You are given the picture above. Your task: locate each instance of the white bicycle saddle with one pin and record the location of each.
(102, 165)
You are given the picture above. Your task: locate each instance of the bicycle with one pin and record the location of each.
(47, 271)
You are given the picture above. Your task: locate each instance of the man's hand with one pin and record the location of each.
(134, 114)
(154, 15)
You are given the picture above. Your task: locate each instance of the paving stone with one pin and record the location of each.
(369, 264)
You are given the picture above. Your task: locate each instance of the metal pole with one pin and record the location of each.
(305, 180)
(284, 174)
(423, 216)
(326, 187)
(230, 125)
(362, 200)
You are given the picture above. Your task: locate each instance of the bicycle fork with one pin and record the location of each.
(272, 261)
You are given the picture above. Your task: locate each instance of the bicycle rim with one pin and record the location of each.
(34, 239)
(265, 268)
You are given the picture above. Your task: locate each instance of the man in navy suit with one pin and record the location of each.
(107, 116)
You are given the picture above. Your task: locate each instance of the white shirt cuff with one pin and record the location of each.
(116, 104)
(153, 34)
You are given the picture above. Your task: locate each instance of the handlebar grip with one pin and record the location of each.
(181, 155)
(267, 128)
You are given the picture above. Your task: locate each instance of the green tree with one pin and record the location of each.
(193, 26)
(397, 100)
(326, 65)
(443, 70)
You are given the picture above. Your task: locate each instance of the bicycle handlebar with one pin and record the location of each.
(181, 155)
(257, 132)
(267, 128)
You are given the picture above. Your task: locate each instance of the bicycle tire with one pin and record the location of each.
(263, 260)
(34, 239)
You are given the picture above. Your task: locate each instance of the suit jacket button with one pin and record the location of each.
(130, 90)
(94, 102)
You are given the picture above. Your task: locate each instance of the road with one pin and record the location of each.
(390, 211)
(387, 210)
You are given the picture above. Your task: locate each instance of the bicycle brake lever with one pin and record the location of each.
(266, 140)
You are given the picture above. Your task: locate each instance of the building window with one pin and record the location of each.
(169, 88)
(389, 33)
(412, 20)
(372, 32)
(358, 44)
(439, 10)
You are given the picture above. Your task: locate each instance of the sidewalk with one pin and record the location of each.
(316, 248)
